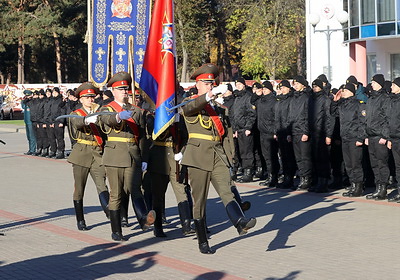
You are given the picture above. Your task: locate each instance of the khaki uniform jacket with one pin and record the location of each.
(83, 154)
(201, 153)
(123, 154)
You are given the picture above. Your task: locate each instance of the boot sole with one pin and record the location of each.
(248, 226)
(150, 219)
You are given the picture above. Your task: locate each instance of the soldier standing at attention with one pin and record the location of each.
(86, 153)
(205, 157)
(124, 156)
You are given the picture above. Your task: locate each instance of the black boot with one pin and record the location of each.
(124, 209)
(350, 189)
(395, 198)
(238, 219)
(45, 152)
(145, 218)
(104, 198)
(305, 183)
(59, 155)
(244, 205)
(38, 152)
(271, 181)
(382, 194)
(287, 182)
(158, 229)
(78, 205)
(247, 176)
(116, 229)
(322, 185)
(375, 193)
(200, 227)
(51, 155)
(184, 215)
(356, 190)
(259, 173)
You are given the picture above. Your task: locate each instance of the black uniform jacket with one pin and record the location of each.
(282, 121)
(243, 115)
(352, 117)
(394, 116)
(265, 107)
(377, 118)
(298, 113)
(321, 122)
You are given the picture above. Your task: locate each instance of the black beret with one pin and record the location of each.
(301, 80)
(380, 79)
(268, 85)
(257, 85)
(352, 79)
(240, 80)
(284, 83)
(323, 78)
(350, 87)
(41, 92)
(334, 90)
(318, 83)
(27, 92)
(397, 81)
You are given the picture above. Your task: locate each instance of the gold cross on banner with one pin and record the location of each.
(100, 52)
(120, 53)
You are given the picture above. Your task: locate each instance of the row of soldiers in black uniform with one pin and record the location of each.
(316, 130)
(45, 106)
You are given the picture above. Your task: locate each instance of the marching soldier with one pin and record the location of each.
(124, 156)
(205, 157)
(87, 152)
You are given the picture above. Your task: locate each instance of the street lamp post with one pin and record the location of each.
(314, 19)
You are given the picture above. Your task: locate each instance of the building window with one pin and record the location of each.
(354, 10)
(371, 66)
(386, 29)
(395, 65)
(368, 11)
(386, 10)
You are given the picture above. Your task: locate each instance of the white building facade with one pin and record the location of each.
(367, 44)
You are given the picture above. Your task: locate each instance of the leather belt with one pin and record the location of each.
(163, 144)
(87, 142)
(204, 137)
(122, 139)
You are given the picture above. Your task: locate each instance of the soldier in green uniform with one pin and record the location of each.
(205, 156)
(163, 169)
(124, 155)
(87, 152)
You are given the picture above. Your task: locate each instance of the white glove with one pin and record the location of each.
(144, 166)
(219, 100)
(220, 89)
(178, 156)
(90, 119)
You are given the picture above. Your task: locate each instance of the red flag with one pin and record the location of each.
(159, 75)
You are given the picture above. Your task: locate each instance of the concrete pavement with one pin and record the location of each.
(298, 235)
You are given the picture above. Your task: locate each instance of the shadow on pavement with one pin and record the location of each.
(91, 262)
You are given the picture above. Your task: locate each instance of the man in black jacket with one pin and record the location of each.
(321, 130)
(56, 128)
(265, 102)
(351, 113)
(299, 129)
(377, 134)
(243, 121)
(41, 137)
(394, 129)
(282, 133)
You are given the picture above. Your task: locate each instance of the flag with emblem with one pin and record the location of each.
(158, 79)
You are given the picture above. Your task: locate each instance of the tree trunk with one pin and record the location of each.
(185, 58)
(21, 61)
(58, 57)
(300, 49)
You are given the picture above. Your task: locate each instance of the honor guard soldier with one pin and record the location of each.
(124, 157)
(205, 157)
(87, 152)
